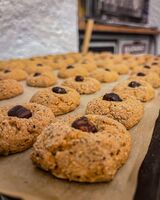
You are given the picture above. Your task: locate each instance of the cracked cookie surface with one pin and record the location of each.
(71, 150)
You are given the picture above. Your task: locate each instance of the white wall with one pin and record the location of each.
(37, 27)
(154, 17)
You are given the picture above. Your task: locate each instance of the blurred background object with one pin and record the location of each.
(119, 26)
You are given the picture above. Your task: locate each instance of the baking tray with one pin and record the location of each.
(20, 178)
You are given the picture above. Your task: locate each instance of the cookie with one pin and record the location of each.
(60, 99)
(147, 68)
(142, 90)
(83, 85)
(150, 77)
(12, 64)
(104, 63)
(16, 74)
(85, 149)
(72, 70)
(44, 79)
(155, 67)
(87, 64)
(127, 110)
(20, 125)
(35, 66)
(104, 75)
(10, 88)
(141, 68)
(76, 56)
(120, 68)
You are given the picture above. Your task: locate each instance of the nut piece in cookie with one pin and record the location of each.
(60, 99)
(127, 110)
(21, 124)
(90, 148)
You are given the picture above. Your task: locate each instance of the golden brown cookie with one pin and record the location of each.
(44, 79)
(127, 110)
(150, 77)
(120, 68)
(90, 148)
(20, 125)
(104, 75)
(142, 90)
(87, 64)
(72, 70)
(83, 85)
(12, 64)
(10, 88)
(36, 66)
(16, 74)
(60, 99)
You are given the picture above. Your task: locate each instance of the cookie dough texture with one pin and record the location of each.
(104, 76)
(10, 88)
(45, 79)
(129, 111)
(150, 77)
(72, 154)
(144, 93)
(87, 86)
(19, 134)
(16, 74)
(59, 103)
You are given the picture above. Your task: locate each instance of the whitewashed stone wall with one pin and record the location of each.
(37, 27)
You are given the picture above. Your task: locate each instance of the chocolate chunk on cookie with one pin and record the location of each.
(111, 97)
(134, 84)
(59, 90)
(79, 156)
(20, 112)
(84, 124)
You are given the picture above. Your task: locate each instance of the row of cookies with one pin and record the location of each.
(90, 148)
(87, 66)
(123, 104)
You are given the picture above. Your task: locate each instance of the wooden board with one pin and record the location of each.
(121, 29)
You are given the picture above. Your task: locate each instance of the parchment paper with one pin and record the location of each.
(19, 177)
